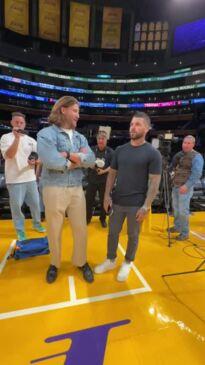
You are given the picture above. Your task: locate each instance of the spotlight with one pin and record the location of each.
(115, 64)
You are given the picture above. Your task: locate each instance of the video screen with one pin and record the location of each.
(189, 37)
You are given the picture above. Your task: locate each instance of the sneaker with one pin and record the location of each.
(39, 228)
(172, 230)
(105, 266)
(182, 237)
(87, 273)
(124, 271)
(21, 235)
(51, 274)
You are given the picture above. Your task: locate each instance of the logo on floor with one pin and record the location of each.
(88, 345)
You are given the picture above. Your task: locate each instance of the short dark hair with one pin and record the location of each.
(143, 116)
(18, 114)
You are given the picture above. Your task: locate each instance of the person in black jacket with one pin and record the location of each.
(97, 177)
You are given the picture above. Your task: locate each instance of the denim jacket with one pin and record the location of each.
(196, 170)
(52, 140)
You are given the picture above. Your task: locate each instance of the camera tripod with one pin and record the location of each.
(198, 269)
(166, 189)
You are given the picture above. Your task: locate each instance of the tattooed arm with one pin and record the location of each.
(153, 187)
(109, 186)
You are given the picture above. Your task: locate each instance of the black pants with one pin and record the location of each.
(90, 200)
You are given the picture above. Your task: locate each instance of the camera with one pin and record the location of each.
(164, 143)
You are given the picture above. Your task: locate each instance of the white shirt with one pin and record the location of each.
(70, 134)
(17, 169)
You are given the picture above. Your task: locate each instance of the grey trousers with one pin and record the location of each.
(120, 213)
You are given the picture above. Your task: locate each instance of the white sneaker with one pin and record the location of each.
(105, 266)
(124, 271)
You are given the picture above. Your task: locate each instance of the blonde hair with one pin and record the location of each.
(56, 116)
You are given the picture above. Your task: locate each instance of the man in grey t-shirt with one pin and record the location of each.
(136, 169)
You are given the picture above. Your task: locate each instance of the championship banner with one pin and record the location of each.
(49, 19)
(79, 25)
(16, 15)
(111, 33)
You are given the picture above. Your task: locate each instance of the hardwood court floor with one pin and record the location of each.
(147, 320)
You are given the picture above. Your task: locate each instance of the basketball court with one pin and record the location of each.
(149, 319)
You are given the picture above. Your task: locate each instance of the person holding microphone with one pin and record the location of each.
(19, 152)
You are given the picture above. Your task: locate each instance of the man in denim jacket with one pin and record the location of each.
(187, 168)
(64, 153)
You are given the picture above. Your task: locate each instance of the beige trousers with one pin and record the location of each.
(59, 200)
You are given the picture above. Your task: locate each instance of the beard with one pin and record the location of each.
(136, 136)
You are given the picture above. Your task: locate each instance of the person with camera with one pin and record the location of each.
(64, 154)
(136, 168)
(97, 177)
(19, 152)
(187, 167)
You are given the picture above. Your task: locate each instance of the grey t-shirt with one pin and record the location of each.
(133, 165)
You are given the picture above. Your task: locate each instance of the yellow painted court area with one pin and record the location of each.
(166, 315)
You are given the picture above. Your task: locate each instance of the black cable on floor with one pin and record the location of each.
(195, 247)
(202, 257)
(181, 302)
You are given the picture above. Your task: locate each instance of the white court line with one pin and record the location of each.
(7, 254)
(75, 302)
(71, 285)
(67, 304)
(139, 275)
(198, 235)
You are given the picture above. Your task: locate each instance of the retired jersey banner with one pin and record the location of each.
(49, 19)
(17, 15)
(79, 25)
(111, 33)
